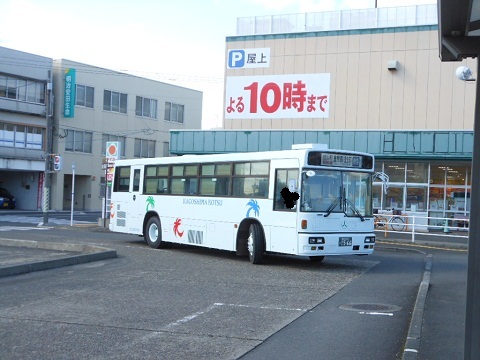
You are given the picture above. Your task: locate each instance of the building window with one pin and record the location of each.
(144, 148)
(114, 101)
(456, 175)
(84, 96)
(78, 141)
(166, 149)
(107, 138)
(174, 112)
(22, 90)
(416, 198)
(417, 172)
(437, 174)
(21, 136)
(395, 171)
(146, 107)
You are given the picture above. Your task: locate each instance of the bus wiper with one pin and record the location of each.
(355, 210)
(332, 206)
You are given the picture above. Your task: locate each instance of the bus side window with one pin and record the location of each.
(263, 188)
(162, 186)
(191, 186)
(136, 180)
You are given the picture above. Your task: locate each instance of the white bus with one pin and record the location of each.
(239, 202)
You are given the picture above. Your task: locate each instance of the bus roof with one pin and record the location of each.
(298, 153)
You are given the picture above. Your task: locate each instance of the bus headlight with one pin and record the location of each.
(316, 240)
(369, 240)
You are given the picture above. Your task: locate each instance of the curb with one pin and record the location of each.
(414, 335)
(86, 253)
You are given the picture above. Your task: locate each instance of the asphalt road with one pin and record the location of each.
(189, 303)
(192, 303)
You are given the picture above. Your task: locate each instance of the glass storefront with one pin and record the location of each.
(442, 190)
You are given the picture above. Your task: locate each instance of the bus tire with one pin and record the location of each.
(153, 233)
(255, 244)
(317, 258)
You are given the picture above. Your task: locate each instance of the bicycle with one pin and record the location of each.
(394, 222)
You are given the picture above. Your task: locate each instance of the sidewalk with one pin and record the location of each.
(437, 328)
(24, 256)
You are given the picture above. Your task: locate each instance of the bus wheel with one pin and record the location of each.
(255, 244)
(153, 233)
(317, 258)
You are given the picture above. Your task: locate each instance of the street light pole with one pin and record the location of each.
(73, 193)
(48, 153)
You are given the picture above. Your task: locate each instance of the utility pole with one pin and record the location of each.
(472, 316)
(48, 154)
(73, 194)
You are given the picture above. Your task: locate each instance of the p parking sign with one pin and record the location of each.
(248, 58)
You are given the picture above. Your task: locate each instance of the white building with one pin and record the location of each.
(23, 106)
(90, 107)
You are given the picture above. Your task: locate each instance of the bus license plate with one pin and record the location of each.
(345, 241)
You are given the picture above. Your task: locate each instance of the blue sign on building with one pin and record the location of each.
(69, 106)
(236, 58)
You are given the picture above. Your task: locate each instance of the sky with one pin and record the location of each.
(180, 42)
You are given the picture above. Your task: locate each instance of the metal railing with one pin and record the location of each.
(386, 17)
(425, 225)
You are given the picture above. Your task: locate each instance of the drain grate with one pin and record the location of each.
(370, 307)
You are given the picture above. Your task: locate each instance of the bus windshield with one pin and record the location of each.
(329, 191)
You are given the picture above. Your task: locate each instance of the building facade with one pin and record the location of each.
(367, 80)
(89, 106)
(25, 80)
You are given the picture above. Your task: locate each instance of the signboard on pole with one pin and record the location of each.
(112, 151)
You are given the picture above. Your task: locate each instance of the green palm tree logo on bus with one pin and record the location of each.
(253, 206)
(150, 202)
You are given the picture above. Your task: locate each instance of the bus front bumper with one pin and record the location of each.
(315, 244)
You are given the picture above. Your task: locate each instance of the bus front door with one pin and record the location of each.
(136, 211)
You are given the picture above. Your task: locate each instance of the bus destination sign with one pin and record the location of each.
(352, 161)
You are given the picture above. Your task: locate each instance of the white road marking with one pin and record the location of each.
(261, 307)
(190, 317)
(375, 313)
(15, 228)
(187, 318)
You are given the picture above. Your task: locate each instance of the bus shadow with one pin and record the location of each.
(346, 263)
